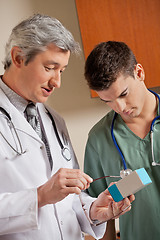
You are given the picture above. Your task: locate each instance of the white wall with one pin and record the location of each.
(73, 99)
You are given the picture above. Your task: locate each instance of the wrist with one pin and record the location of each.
(93, 212)
(93, 216)
(40, 196)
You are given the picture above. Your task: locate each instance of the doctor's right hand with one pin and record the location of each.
(64, 182)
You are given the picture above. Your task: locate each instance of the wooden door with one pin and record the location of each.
(135, 22)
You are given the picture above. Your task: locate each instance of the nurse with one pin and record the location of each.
(127, 138)
(41, 186)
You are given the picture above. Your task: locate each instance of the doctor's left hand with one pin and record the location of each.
(104, 208)
(64, 182)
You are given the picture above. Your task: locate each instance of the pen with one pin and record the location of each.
(106, 177)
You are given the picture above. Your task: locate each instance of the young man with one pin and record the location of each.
(40, 190)
(112, 71)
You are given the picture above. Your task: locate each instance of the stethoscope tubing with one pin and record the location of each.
(115, 143)
(55, 129)
(14, 149)
(152, 124)
(64, 150)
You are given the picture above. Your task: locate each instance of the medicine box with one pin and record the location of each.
(130, 184)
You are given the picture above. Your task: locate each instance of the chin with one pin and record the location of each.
(43, 100)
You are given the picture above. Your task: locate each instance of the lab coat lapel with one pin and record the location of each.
(18, 119)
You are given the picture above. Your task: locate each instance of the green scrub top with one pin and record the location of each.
(102, 158)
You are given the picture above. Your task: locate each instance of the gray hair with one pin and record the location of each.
(34, 34)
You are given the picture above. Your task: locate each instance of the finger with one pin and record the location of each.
(80, 176)
(107, 192)
(112, 183)
(77, 173)
(126, 209)
(76, 183)
(121, 207)
(83, 180)
(71, 190)
(109, 211)
(87, 177)
(116, 209)
(104, 199)
(131, 198)
(108, 195)
(126, 205)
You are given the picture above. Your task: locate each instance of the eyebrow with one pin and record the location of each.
(50, 62)
(104, 100)
(118, 96)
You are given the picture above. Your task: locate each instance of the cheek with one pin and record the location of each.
(112, 106)
(42, 76)
(137, 98)
(37, 77)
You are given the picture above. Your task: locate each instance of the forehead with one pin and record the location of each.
(53, 54)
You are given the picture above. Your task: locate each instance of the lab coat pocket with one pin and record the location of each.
(18, 216)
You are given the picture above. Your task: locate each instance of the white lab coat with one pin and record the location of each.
(20, 219)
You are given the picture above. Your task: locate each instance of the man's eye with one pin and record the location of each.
(124, 94)
(48, 68)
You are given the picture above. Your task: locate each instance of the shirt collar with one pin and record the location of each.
(19, 102)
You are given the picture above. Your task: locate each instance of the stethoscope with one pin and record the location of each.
(126, 171)
(64, 149)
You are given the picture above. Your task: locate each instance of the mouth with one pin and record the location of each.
(47, 91)
(128, 112)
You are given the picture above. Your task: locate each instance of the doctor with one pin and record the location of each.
(40, 183)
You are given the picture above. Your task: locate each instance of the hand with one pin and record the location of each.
(64, 182)
(105, 208)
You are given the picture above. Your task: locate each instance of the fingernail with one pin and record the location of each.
(91, 179)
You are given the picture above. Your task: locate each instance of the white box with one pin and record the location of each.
(130, 184)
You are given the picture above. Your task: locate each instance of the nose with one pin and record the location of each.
(55, 80)
(119, 105)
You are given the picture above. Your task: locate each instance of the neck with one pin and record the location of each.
(149, 110)
(140, 125)
(10, 78)
(6, 78)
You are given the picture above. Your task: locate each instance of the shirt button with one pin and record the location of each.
(61, 222)
(41, 147)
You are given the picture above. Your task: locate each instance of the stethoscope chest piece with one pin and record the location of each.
(66, 153)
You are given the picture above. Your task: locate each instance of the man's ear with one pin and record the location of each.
(17, 59)
(139, 72)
